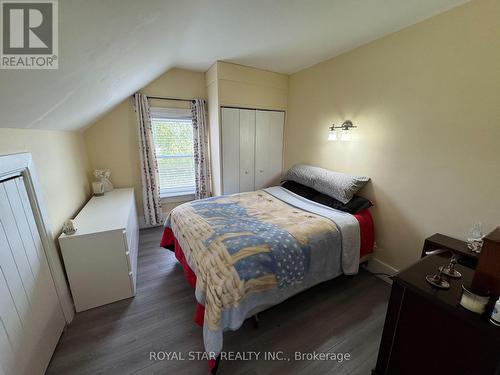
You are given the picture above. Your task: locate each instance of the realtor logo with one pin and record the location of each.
(29, 37)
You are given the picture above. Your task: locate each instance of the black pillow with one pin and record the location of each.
(355, 205)
(299, 189)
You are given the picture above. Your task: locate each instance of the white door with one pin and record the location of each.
(230, 150)
(247, 150)
(30, 315)
(268, 148)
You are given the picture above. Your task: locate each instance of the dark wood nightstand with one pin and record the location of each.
(440, 241)
(426, 331)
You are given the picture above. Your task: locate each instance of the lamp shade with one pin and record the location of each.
(332, 135)
(346, 135)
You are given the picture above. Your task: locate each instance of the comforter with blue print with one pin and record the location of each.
(244, 244)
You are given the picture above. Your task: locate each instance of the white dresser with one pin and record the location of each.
(101, 257)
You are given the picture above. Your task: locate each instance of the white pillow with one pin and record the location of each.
(337, 185)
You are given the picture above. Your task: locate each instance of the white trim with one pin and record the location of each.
(177, 198)
(171, 113)
(375, 265)
(143, 225)
(22, 165)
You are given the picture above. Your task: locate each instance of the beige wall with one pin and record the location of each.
(239, 86)
(427, 103)
(62, 166)
(112, 141)
(243, 86)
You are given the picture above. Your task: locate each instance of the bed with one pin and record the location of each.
(246, 252)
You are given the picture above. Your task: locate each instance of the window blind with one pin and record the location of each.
(173, 138)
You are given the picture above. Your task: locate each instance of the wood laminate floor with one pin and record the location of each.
(345, 315)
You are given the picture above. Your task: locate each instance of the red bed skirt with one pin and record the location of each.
(366, 232)
(168, 240)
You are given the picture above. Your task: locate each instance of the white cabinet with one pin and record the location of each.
(247, 150)
(268, 148)
(230, 150)
(101, 257)
(252, 149)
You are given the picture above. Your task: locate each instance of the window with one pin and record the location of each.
(173, 139)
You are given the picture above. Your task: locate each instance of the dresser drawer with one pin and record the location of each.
(97, 268)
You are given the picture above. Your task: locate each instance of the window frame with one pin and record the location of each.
(173, 114)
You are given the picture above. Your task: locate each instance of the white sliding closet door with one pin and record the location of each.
(247, 150)
(31, 317)
(268, 148)
(230, 150)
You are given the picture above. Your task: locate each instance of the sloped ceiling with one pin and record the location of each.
(109, 49)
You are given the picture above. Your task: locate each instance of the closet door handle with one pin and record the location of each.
(246, 172)
(261, 170)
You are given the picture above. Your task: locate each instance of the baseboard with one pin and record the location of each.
(143, 225)
(375, 265)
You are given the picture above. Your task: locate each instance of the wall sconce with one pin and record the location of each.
(342, 132)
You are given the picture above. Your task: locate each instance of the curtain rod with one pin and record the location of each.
(167, 98)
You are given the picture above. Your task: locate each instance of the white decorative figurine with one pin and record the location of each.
(69, 227)
(103, 175)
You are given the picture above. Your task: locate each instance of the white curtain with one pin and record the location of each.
(149, 165)
(201, 149)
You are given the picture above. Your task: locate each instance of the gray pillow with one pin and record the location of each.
(337, 185)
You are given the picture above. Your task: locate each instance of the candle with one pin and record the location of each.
(474, 300)
(495, 314)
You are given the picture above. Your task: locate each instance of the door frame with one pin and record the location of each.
(21, 164)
